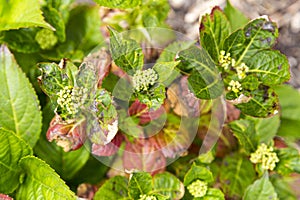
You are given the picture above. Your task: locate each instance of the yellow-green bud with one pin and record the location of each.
(234, 86)
(71, 99)
(46, 38)
(225, 59)
(198, 188)
(147, 197)
(143, 79)
(265, 156)
(241, 70)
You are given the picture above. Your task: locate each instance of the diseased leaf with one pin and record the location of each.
(235, 17)
(197, 172)
(41, 181)
(126, 53)
(21, 14)
(55, 77)
(114, 188)
(12, 150)
(236, 174)
(261, 189)
(139, 183)
(270, 67)
(258, 34)
(262, 103)
(289, 161)
(119, 3)
(204, 80)
(143, 155)
(168, 185)
(20, 110)
(214, 28)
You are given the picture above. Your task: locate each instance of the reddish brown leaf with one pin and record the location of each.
(67, 134)
(108, 149)
(143, 155)
(5, 197)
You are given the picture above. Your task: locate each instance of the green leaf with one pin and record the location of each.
(12, 150)
(257, 35)
(213, 194)
(66, 164)
(236, 174)
(168, 185)
(270, 67)
(20, 14)
(244, 131)
(214, 28)
(289, 161)
(153, 98)
(252, 131)
(197, 172)
(114, 188)
(119, 3)
(204, 79)
(126, 53)
(166, 72)
(169, 53)
(282, 188)
(41, 182)
(20, 110)
(289, 99)
(22, 40)
(262, 103)
(139, 183)
(54, 18)
(289, 129)
(261, 189)
(266, 128)
(235, 17)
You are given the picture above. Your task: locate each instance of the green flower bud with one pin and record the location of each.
(142, 80)
(265, 156)
(147, 197)
(234, 86)
(46, 38)
(198, 188)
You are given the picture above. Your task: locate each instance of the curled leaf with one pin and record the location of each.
(109, 149)
(67, 134)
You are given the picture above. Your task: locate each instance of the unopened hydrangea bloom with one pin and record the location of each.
(142, 79)
(241, 70)
(234, 86)
(198, 188)
(46, 38)
(265, 156)
(71, 98)
(147, 197)
(225, 59)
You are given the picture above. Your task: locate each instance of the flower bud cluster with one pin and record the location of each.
(71, 99)
(241, 70)
(265, 156)
(142, 79)
(198, 188)
(225, 60)
(46, 38)
(234, 86)
(147, 197)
